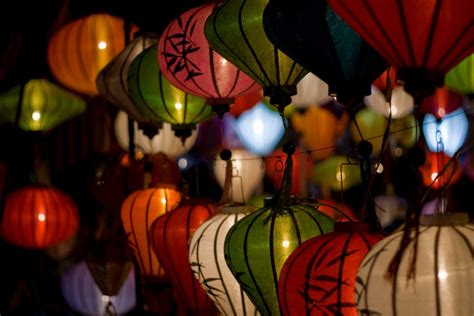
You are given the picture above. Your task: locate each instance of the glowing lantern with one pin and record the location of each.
(84, 296)
(337, 211)
(247, 171)
(434, 164)
(319, 276)
(390, 209)
(336, 174)
(206, 256)
(154, 95)
(461, 77)
(196, 68)
(98, 38)
(43, 105)
(442, 102)
(37, 217)
(245, 102)
(310, 91)
(260, 129)
(139, 211)
(444, 278)
(401, 103)
(170, 236)
(235, 30)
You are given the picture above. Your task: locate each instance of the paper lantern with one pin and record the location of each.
(257, 246)
(461, 77)
(319, 277)
(235, 30)
(154, 95)
(247, 171)
(434, 164)
(322, 43)
(81, 48)
(442, 102)
(320, 140)
(83, 295)
(447, 134)
(336, 174)
(260, 129)
(188, 62)
(36, 217)
(245, 102)
(139, 210)
(310, 91)
(43, 105)
(337, 211)
(401, 103)
(163, 142)
(444, 279)
(206, 257)
(422, 39)
(170, 236)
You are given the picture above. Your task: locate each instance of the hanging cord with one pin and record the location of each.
(226, 156)
(110, 309)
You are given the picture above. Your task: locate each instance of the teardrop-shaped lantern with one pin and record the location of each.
(401, 103)
(444, 277)
(336, 174)
(442, 102)
(154, 95)
(434, 164)
(188, 62)
(320, 275)
(311, 91)
(36, 217)
(43, 106)
(235, 30)
(79, 50)
(461, 77)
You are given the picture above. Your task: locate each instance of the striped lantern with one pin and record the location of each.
(36, 217)
(206, 257)
(461, 77)
(444, 278)
(170, 235)
(320, 275)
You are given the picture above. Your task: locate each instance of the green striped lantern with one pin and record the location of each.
(39, 105)
(156, 97)
(461, 77)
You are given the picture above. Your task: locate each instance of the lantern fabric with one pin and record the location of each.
(319, 277)
(447, 134)
(311, 91)
(461, 77)
(336, 174)
(260, 129)
(206, 257)
(36, 217)
(83, 295)
(337, 211)
(390, 209)
(401, 103)
(434, 164)
(98, 38)
(247, 174)
(139, 210)
(443, 283)
(235, 30)
(388, 79)
(44, 105)
(257, 246)
(245, 102)
(170, 236)
(441, 102)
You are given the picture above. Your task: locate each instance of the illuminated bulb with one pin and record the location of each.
(41, 217)
(105, 298)
(257, 127)
(178, 106)
(433, 176)
(182, 163)
(286, 243)
(441, 112)
(340, 176)
(442, 275)
(163, 200)
(36, 116)
(394, 111)
(379, 168)
(102, 45)
(223, 61)
(398, 151)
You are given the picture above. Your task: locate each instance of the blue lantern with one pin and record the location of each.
(446, 134)
(260, 129)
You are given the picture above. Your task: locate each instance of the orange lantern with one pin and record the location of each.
(337, 211)
(36, 217)
(434, 164)
(81, 48)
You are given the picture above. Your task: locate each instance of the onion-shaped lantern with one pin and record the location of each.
(39, 105)
(461, 77)
(154, 95)
(436, 163)
(311, 91)
(401, 103)
(37, 217)
(79, 50)
(319, 276)
(335, 173)
(442, 102)
(443, 283)
(188, 62)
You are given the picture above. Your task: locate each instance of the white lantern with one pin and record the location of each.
(444, 280)
(310, 91)
(206, 256)
(247, 174)
(390, 209)
(402, 103)
(165, 141)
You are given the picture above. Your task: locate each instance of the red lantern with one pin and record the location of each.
(38, 217)
(381, 82)
(337, 211)
(170, 235)
(434, 164)
(244, 102)
(442, 102)
(319, 277)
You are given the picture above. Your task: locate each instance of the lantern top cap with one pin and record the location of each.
(444, 219)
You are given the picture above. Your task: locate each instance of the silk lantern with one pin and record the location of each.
(154, 95)
(434, 164)
(443, 282)
(98, 38)
(83, 295)
(36, 217)
(170, 236)
(39, 105)
(310, 91)
(447, 134)
(139, 210)
(461, 77)
(442, 102)
(206, 257)
(235, 30)
(401, 103)
(335, 173)
(188, 62)
(247, 174)
(319, 277)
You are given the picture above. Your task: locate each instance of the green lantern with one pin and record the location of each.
(39, 105)
(155, 96)
(461, 77)
(235, 30)
(335, 173)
